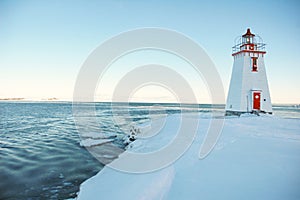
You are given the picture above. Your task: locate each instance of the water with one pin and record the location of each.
(40, 155)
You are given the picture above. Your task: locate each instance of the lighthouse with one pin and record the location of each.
(248, 90)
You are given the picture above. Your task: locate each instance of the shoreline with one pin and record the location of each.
(250, 158)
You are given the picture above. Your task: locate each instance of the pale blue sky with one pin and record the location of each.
(44, 43)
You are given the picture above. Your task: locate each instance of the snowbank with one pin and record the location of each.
(255, 158)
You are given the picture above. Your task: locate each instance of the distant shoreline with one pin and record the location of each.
(24, 100)
(56, 100)
(11, 99)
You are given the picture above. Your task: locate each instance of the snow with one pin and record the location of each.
(256, 157)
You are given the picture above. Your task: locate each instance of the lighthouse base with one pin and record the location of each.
(239, 113)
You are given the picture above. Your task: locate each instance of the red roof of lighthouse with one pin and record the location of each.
(248, 33)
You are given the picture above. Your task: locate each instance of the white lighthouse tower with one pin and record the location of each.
(248, 91)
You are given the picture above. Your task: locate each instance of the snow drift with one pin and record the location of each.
(256, 157)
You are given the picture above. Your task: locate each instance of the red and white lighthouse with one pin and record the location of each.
(248, 91)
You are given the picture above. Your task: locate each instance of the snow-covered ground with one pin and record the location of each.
(256, 157)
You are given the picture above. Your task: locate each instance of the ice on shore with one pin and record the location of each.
(95, 135)
(256, 157)
(92, 142)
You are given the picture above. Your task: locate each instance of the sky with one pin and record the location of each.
(43, 44)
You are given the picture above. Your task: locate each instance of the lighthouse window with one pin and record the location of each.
(248, 40)
(254, 64)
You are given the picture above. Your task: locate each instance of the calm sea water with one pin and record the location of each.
(40, 152)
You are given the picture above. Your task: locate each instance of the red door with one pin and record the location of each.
(256, 100)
